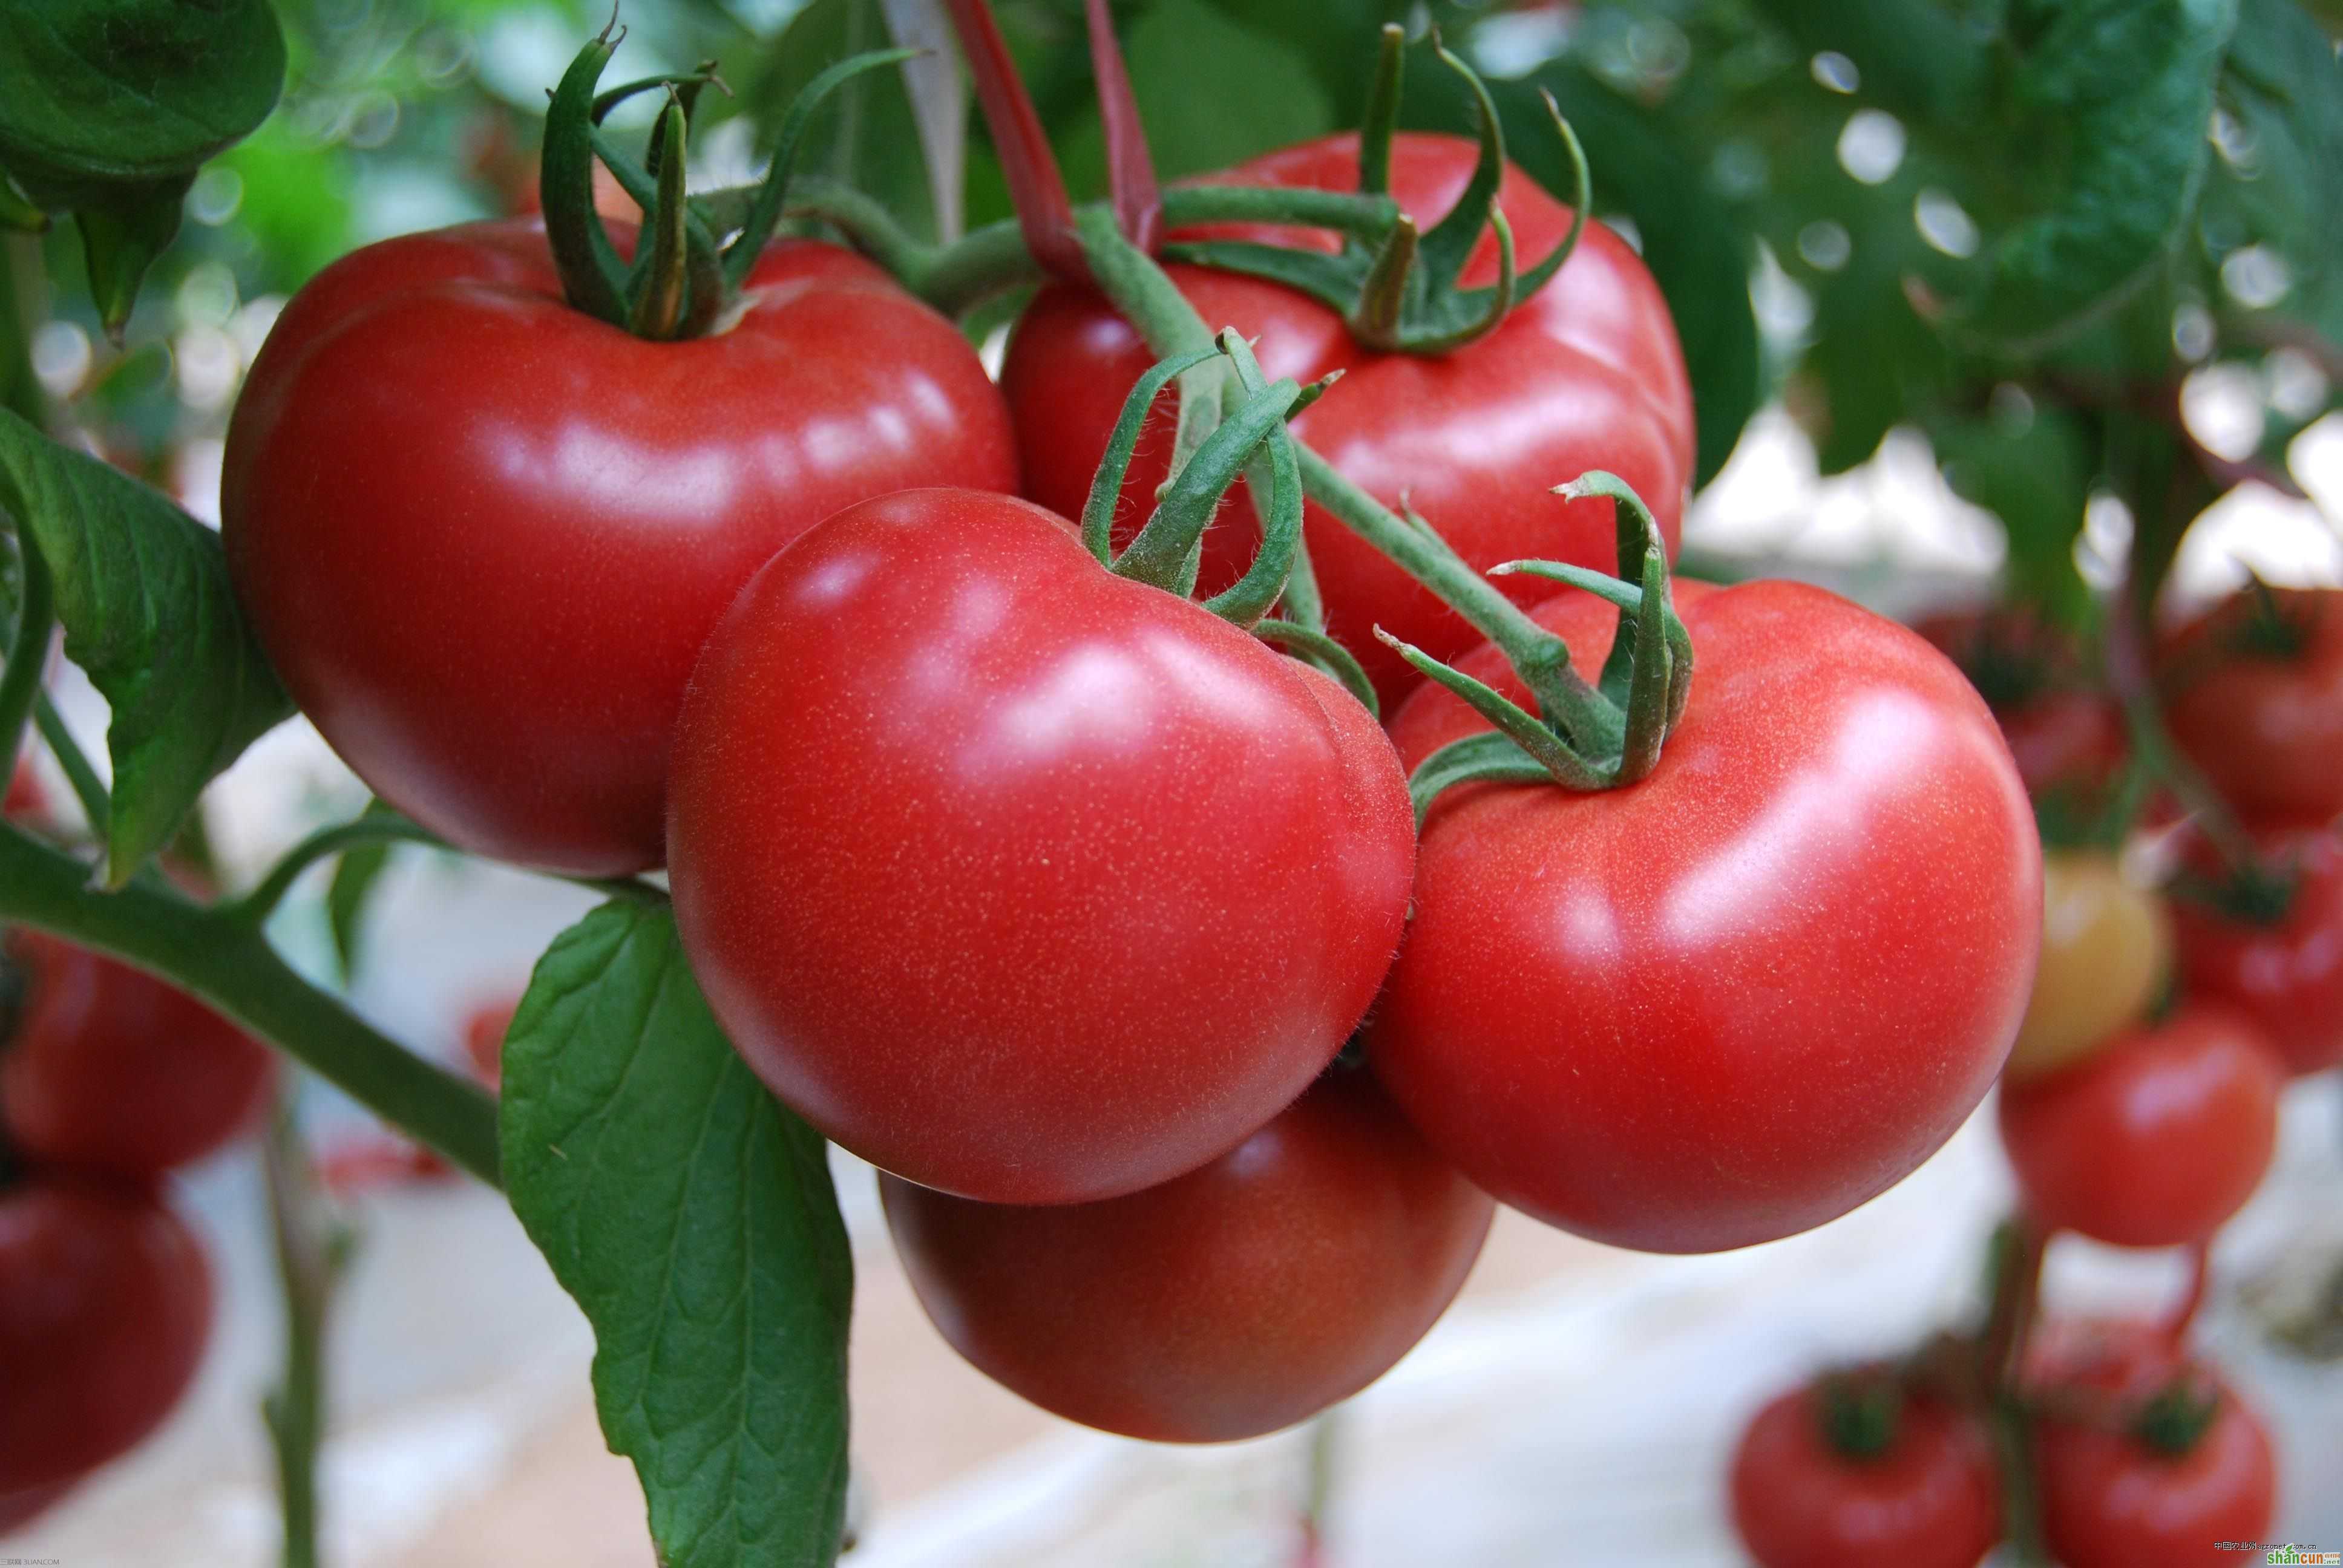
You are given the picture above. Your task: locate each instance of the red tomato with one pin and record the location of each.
(2111, 1499)
(18, 1509)
(484, 1039)
(105, 1302)
(2067, 735)
(1017, 879)
(1433, 716)
(2265, 725)
(24, 801)
(2154, 1140)
(1930, 1499)
(483, 536)
(370, 1162)
(1287, 1275)
(1586, 374)
(2286, 975)
(111, 1069)
(1750, 993)
(2073, 742)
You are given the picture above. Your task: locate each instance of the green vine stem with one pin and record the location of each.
(28, 651)
(2015, 1275)
(1153, 303)
(312, 1252)
(227, 962)
(89, 790)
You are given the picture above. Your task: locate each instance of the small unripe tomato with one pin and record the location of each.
(105, 1302)
(2153, 1141)
(1287, 1275)
(2105, 947)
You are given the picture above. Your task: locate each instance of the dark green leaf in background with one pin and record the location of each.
(94, 93)
(692, 1217)
(142, 593)
(2033, 466)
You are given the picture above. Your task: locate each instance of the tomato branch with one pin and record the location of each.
(313, 1251)
(223, 960)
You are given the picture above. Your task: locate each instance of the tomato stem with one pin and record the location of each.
(312, 1252)
(226, 961)
(1131, 168)
(28, 649)
(2176, 1324)
(89, 790)
(1036, 186)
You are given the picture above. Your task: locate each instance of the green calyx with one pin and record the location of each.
(2258, 892)
(1396, 284)
(2271, 631)
(1613, 734)
(2177, 1417)
(683, 282)
(1859, 1413)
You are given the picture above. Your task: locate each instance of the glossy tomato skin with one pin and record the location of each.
(2155, 1139)
(111, 1070)
(1017, 878)
(2266, 728)
(1242, 1297)
(1930, 1499)
(105, 1302)
(1735, 999)
(2286, 974)
(482, 536)
(2110, 1500)
(1586, 374)
(2107, 946)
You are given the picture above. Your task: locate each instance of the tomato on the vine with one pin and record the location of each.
(111, 1069)
(1756, 989)
(485, 1027)
(1018, 879)
(1585, 373)
(2285, 972)
(1816, 1485)
(105, 1302)
(1284, 1276)
(482, 534)
(2160, 1464)
(2254, 695)
(2106, 948)
(24, 800)
(2156, 1139)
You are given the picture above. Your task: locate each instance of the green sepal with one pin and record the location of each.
(1164, 547)
(1274, 472)
(1474, 759)
(1114, 465)
(765, 211)
(593, 277)
(1325, 653)
(1522, 728)
(120, 240)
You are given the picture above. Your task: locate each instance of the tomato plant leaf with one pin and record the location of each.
(143, 592)
(692, 1217)
(96, 94)
(361, 865)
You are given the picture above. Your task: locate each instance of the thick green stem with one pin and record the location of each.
(226, 961)
(1362, 216)
(312, 1250)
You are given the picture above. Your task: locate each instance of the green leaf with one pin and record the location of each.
(143, 592)
(693, 1219)
(1913, 56)
(94, 93)
(2126, 87)
(2033, 470)
(2281, 181)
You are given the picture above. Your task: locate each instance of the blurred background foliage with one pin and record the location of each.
(2017, 226)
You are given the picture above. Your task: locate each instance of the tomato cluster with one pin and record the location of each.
(109, 1080)
(2135, 1453)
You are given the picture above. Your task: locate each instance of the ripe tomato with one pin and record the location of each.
(2112, 1498)
(105, 1302)
(484, 1039)
(483, 536)
(1929, 1499)
(2286, 975)
(111, 1069)
(1750, 993)
(2105, 947)
(2265, 725)
(1287, 1275)
(25, 801)
(1586, 374)
(18, 1509)
(2066, 734)
(2155, 1139)
(1017, 879)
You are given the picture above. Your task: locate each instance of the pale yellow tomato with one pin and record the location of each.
(2106, 945)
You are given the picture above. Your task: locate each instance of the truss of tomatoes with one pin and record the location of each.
(109, 1080)
(1055, 895)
